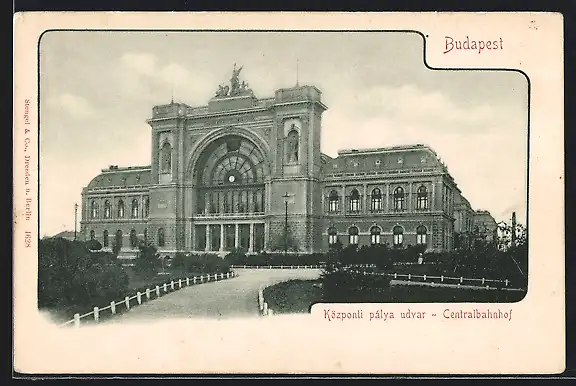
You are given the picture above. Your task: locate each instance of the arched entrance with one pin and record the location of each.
(230, 204)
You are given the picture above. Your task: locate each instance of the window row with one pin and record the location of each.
(375, 233)
(377, 201)
(231, 201)
(133, 238)
(120, 209)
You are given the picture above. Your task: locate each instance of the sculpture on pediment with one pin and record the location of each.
(222, 91)
(236, 87)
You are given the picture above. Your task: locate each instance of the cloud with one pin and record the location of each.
(73, 105)
(411, 105)
(140, 62)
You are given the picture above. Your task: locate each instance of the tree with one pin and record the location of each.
(148, 257)
(93, 245)
(70, 274)
(281, 242)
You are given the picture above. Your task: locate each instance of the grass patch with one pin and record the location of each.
(293, 296)
(424, 294)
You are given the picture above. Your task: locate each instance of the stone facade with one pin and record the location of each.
(221, 174)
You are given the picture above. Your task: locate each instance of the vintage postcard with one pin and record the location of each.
(288, 193)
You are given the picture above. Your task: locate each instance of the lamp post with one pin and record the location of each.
(75, 219)
(286, 196)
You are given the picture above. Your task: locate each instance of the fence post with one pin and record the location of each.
(270, 312)
(506, 282)
(221, 276)
(165, 287)
(395, 275)
(127, 301)
(96, 313)
(147, 293)
(461, 279)
(158, 291)
(139, 297)
(409, 276)
(260, 299)
(77, 320)
(424, 277)
(483, 280)
(194, 280)
(201, 278)
(172, 285)
(179, 283)
(228, 275)
(265, 308)
(113, 307)
(187, 281)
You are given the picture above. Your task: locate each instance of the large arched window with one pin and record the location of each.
(94, 209)
(354, 201)
(133, 238)
(166, 158)
(107, 209)
(120, 209)
(230, 174)
(105, 241)
(353, 235)
(376, 200)
(161, 241)
(399, 199)
(422, 198)
(134, 211)
(375, 235)
(333, 200)
(398, 236)
(421, 235)
(92, 235)
(332, 235)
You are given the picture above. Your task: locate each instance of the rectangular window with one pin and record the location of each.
(354, 239)
(332, 239)
(258, 237)
(333, 206)
(420, 239)
(397, 240)
(375, 239)
(214, 237)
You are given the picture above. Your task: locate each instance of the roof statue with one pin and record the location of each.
(236, 87)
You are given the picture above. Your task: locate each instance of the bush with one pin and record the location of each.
(69, 274)
(237, 257)
(348, 287)
(93, 245)
(204, 263)
(148, 259)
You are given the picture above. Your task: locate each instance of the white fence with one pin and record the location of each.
(483, 282)
(318, 266)
(149, 294)
(265, 310)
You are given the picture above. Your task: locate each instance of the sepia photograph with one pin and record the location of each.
(349, 174)
(288, 194)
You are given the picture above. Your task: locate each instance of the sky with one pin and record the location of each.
(98, 88)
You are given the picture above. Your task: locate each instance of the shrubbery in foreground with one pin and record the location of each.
(70, 274)
(201, 263)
